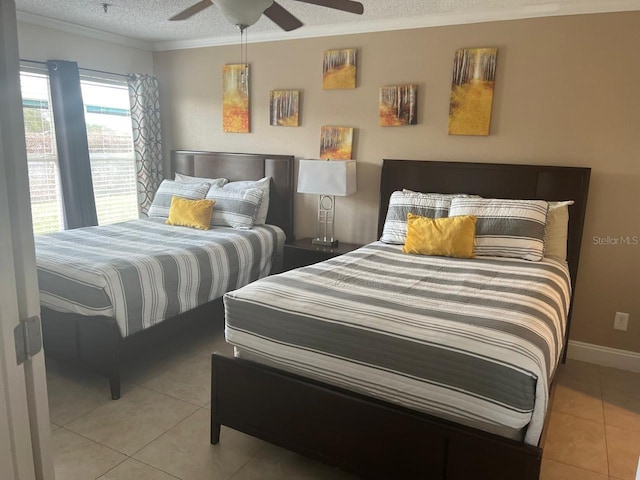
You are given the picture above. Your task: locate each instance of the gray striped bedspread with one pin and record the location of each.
(474, 341)
(144, 271)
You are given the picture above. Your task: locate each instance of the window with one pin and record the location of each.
(44, 179)
(108, 119)
(110, 138)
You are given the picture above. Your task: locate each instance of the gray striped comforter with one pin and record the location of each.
(476, 341)
(144, 271)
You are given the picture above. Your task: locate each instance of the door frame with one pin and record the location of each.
(24, 411)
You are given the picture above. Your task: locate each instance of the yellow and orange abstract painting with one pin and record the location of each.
(339, 69)
(474, 72)
(235, 98)
(336, 143)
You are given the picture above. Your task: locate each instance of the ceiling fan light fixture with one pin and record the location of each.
(243, 13)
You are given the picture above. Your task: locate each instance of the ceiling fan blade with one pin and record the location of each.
(282, 17)
(344, 5)
(192, 10)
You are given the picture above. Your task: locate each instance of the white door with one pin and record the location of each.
(25, 436)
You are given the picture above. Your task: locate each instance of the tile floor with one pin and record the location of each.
(594, 429)
(159, 429)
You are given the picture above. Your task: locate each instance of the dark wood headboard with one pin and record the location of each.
(493, 180)
(246, 166)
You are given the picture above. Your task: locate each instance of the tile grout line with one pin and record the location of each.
(600, 381)
(93, 410)
(131, 456)
(83, 415)
(127, 456)
(115, 466)
(604, 421)
(102, 445)
(172, 426)
(153, 466)
(78, 417)
(579, 418)
(579, 468)
(146, 445)
(94, 441)
(266, 444)
(596, 422)
(172, 397)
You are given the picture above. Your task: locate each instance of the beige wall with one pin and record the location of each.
(42, 44)
(567, 93)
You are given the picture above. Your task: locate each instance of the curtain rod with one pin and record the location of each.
(79, 68)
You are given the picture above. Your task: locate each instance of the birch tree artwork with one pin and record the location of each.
(235, 98)
(474, 71)
(398, 105)
(339, 69)
(283, 108)
(336, 143)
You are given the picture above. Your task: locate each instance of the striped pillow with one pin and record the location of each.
(235, 208)
(214, 182)
(263, 184)
(432, 205)
(506, 228)
(168, 189)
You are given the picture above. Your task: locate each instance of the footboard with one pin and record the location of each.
(366, 436)
(94, 343)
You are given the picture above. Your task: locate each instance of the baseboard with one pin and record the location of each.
(605, 356)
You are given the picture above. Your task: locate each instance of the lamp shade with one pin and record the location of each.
(327, 177)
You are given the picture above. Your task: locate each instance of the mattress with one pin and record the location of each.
(475, 341)
(144, 271)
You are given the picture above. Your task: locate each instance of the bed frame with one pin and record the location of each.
(96, 342)
(373, 438)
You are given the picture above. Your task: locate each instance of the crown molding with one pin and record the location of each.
(437, 20)
(76, 29)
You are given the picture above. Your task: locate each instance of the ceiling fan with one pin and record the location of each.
(244, 13)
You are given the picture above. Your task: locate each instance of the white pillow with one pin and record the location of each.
(505, 228)
(557, 230)
(169, 189)
(432, 205)
(214, 182)
(263, 184)
(235, 208)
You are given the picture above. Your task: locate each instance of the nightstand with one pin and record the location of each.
(302, 252)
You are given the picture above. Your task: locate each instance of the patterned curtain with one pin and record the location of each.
(147, 142)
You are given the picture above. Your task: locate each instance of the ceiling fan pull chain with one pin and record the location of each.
(243, 54)
(246, 57)
(246, 49)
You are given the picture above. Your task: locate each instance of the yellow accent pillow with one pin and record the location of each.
(190, 213)
(447, 237)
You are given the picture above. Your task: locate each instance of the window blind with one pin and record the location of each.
(109, 132)
(111, 154)
(42, 160)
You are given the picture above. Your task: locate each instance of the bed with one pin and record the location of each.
(89, 326)
(376, 427)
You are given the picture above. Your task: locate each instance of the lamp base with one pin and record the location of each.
(324, 243)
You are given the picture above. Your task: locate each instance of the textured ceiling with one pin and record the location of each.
(146, 20)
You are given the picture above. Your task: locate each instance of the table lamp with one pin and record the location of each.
(327, 179)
